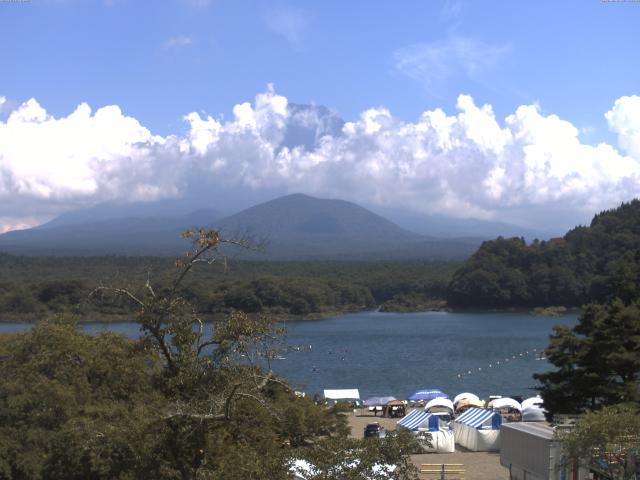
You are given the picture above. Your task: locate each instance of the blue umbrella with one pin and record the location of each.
(427, 395)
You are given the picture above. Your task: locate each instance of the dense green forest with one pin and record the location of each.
(33, 287)
(585, 265)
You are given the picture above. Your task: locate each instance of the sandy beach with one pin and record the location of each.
(477, 465)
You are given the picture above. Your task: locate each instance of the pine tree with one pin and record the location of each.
(597, 361)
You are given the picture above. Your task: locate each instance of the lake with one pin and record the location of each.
(395, 354)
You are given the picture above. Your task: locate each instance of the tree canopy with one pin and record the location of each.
(182, 402)
(569, 271)
(34, 287)
(607, 440)
(597, 361)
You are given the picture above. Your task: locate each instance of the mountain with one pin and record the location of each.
(296, 226)
(447, 227)
(299, 226)
(108, 211)
(71, 235)
(588, 264)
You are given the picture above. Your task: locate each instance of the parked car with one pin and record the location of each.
(374, 430)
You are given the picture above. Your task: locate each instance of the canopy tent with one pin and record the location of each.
(344, 394)
(467, 396)
(467, 403)
(420, 419)
(439, 404)
(394, 408)
(427, 394)
(510, 409)
(533, 409)
(377, 401)
(505, 402)
(480, 418)
(528, 402)
(478, 430)
(533, 413)
(442, 439)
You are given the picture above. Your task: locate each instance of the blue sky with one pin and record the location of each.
(159, 61)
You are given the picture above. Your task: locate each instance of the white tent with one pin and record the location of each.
(343, 394)
(533, 413)
(442, 439)
(377, 401)
(467, 395)
(528, 402)
(439, 402)
(505, 402)
(533, 409)
(478, 430)
(418, 419)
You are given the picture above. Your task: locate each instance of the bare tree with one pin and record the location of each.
(208, 366)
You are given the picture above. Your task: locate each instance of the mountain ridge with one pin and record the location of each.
(298, 226)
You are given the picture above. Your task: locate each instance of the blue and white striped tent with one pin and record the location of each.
(418, 418)
(479, 417)
(478, 430)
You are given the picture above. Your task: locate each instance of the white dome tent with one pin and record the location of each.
(439, 404)
(505, 402)
(534, 413)
(465, 396)
(528, 402)
(510, 409)
(533, 410)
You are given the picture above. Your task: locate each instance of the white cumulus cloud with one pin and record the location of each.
(528, 168)
(624, 119)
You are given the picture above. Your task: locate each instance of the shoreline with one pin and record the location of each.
(33, 318)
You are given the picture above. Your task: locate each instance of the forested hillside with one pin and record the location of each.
(585, 265)
(34, 287)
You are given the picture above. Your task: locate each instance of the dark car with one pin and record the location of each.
(374, 430)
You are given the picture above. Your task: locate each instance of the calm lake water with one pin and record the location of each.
(395, 354)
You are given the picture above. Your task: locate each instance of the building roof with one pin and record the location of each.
(538, 429)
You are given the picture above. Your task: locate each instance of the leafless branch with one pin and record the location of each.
(118, 291)
(149, 287)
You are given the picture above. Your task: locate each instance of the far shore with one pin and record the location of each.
(279, 316)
